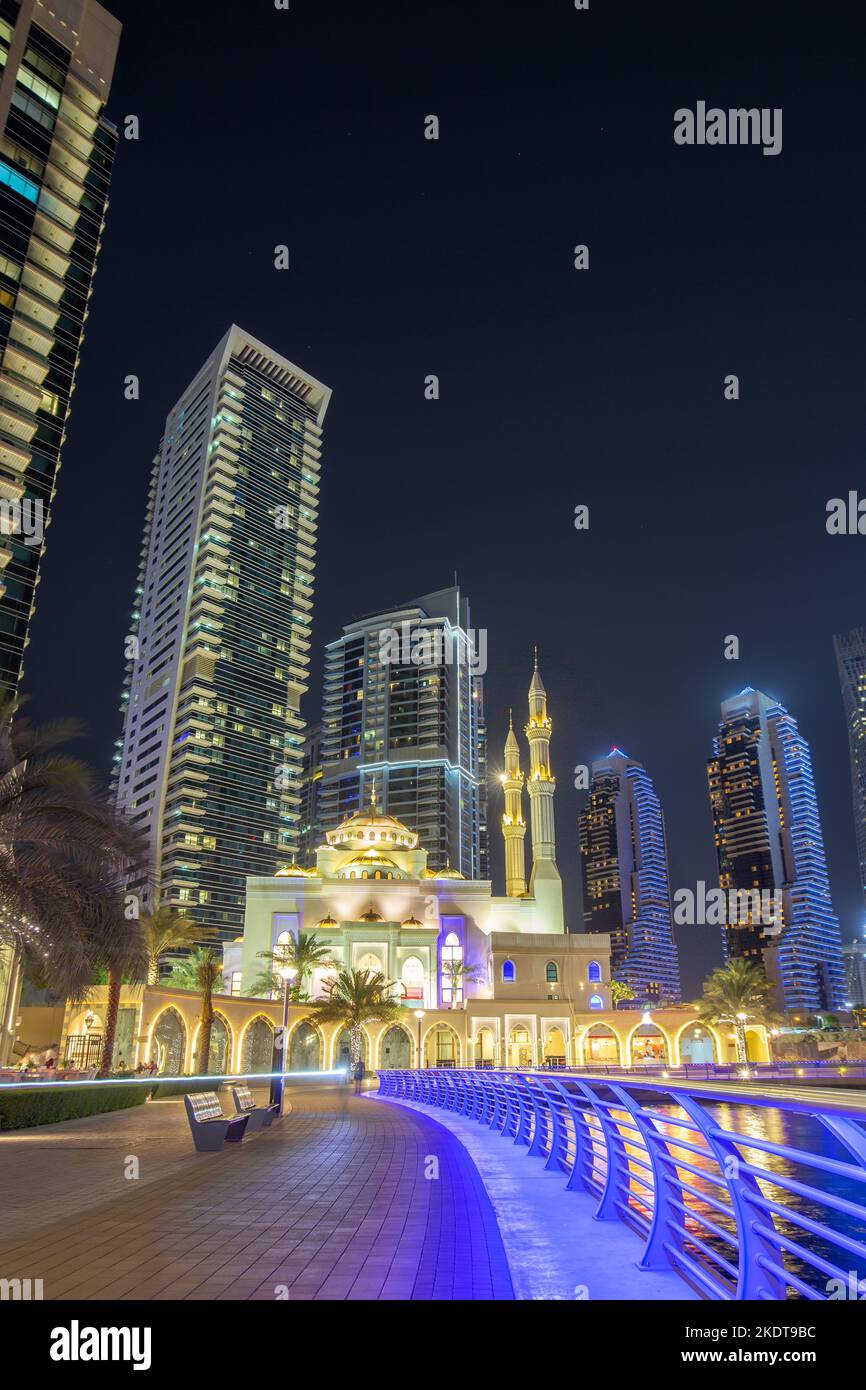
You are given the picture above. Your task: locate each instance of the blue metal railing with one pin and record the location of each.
(738, 1215)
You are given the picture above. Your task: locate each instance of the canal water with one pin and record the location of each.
(802, 1132)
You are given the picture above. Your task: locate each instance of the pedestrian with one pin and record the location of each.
(359, 1075)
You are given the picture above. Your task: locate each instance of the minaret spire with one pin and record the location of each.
(542, 785)
(513, 824)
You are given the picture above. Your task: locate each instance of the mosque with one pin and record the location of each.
(484, 980)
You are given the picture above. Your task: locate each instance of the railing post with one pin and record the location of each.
(753, 1281)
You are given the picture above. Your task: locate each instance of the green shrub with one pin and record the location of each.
(183, 1086)
(40, 1106)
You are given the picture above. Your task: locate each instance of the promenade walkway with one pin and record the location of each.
(332, 1203)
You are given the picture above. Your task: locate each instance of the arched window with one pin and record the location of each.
(593, 973)
(509, 973)
(452, 971)
(596, 1002)
(552, 973)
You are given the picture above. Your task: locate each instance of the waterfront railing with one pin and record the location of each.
(745, 1196)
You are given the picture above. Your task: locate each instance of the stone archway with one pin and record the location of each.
(648, 1045)
(555, 1050)
(395, 1049)
(257, 1051)
(520, 1047)
(601, 1046)
(485, 1047)
(442, 1047)
(168, 1043)
(697, 1045)
(305, 1049)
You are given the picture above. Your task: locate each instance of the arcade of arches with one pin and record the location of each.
(165, 1027)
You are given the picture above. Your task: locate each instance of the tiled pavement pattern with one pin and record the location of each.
(331, 1202)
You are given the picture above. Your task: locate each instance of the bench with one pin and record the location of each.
(209, 1127)
(259, 1116)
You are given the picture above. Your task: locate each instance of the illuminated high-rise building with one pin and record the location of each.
(850, 650)
(403, 715)
(768, 838)
(56, 156)
(626, 887)
(211, 756)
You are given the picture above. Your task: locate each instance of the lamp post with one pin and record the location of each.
(287, 973)
(420, 1060)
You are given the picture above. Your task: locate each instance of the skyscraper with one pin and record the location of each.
(626, 888)
(850, 650)
(210, 760)
(854, 958)
(402, 708)
(56, 156)
(768, 837)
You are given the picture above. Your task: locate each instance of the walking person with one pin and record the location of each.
(359, 1075)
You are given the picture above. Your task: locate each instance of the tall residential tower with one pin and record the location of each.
(850, 650)
(210, 760)
(768, 837)
(626, 888)
(403, 709)
(56, 155)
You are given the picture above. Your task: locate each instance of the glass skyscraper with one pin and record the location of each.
(56, 156)
(211, 756)
(626, 887)
(414, 728)
(850, 650)
(768, 837)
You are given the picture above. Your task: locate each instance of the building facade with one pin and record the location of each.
(626, 886)
(56, 155)
(403, 710)
(854, 957)
(210, 761)
(768, 838)
(850, 650)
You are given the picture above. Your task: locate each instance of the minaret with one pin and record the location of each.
(513, 824)
(545, 884)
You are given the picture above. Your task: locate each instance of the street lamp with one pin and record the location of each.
(287, 973)
(420, 1016)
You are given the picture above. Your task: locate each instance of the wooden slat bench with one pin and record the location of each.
(259, 1116)
(209, 1127)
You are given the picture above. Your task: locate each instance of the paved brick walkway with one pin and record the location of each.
(332, 1203)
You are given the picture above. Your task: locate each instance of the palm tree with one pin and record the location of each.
(201, 972)
(458, 974)
(304, 953)
(734, 995)
(355, 997)
(166, 929)
(63, 854)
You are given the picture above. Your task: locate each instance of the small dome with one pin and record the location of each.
(412, 922)
(327, 923)
(295, 871)
(371, 915)
(442, 873)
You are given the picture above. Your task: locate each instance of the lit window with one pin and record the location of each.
(452, 975)
(509, 973)
(18, 183)
(552, 973)
(596, 1002)
(593, 973)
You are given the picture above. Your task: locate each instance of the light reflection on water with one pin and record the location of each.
(795, 1130)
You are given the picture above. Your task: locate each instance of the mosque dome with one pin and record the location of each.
(366, 827)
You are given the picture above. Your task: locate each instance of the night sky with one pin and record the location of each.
(558, 387)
